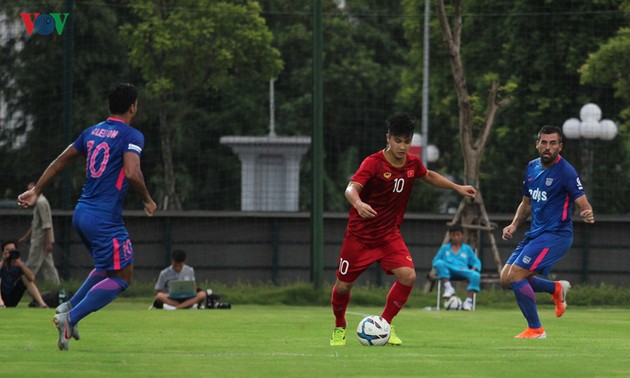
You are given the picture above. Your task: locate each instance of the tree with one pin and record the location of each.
(535, 48)
(608, 67)
(363, 56)
(31, 84)
(183, 50)
(474, 128)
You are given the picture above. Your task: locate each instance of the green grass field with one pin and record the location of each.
(126, 339)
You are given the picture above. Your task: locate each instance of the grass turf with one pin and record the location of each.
(126, 339)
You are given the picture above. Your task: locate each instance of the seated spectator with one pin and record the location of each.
(15, 278)
(458, 261)
(177, 271)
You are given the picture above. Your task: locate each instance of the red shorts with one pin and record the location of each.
(356, 257)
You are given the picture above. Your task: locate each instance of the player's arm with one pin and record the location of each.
(29, 198)
(435, 179)
(133, 174)
(586, 211)
(352, 195)
(522, 213)
(26, 272)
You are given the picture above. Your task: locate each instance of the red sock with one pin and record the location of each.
(339, 304)
(396, 299)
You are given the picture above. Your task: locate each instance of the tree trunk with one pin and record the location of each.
(471, 213)
(170, 198)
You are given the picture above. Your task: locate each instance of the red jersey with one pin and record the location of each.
(387, 189)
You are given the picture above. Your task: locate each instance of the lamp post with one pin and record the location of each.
(589, 127)
(431, 154)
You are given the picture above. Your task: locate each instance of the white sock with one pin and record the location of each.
(169, 307)
(447, 285)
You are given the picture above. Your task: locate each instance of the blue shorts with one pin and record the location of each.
(107, 241)
(541, 253)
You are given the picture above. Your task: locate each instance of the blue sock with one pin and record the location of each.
(92, 279)
(526, 300)
(99, 296)
(542, 285)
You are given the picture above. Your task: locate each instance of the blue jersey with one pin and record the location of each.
(552, 192)
(104, 146)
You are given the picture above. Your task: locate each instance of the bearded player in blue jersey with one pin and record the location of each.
(550, 188)
(112, 152)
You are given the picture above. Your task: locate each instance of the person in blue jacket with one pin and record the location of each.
(458, 260)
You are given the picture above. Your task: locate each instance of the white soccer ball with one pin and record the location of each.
(453, 303)
(373, 330)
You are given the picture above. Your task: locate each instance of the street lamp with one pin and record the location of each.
(590, 126)
(430, 154)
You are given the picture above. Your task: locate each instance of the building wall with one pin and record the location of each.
(238, 247)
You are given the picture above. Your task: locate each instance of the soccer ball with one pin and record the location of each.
(373, 330)
(453, 303)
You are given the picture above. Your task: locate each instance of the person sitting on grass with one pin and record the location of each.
(177, 271)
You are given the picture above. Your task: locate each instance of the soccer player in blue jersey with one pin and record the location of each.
(550, 188)
(112, 152)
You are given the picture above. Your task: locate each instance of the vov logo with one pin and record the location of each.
(44, 23)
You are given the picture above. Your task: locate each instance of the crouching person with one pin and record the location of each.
(175, 288)
(16, 278)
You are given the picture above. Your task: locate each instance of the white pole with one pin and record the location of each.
(425, 84)
(272, 109)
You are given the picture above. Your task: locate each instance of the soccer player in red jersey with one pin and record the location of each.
(379, 192)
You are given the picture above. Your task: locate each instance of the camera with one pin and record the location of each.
(13, 255)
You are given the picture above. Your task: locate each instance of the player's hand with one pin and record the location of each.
(508, 232)
(364, 210)
(150, 208)
(27, 199)
(468, 190)
(588, 216)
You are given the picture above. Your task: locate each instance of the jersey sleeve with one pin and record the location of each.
(365, 172)
(572, 183)
(421, 171)
(79, 143)
(135, 142)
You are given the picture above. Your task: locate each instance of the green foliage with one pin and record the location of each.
(363, 55)
(211, 59)
(177, 51)
(182, 55)
(31, 83)
(534, 50)
(608, 67)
